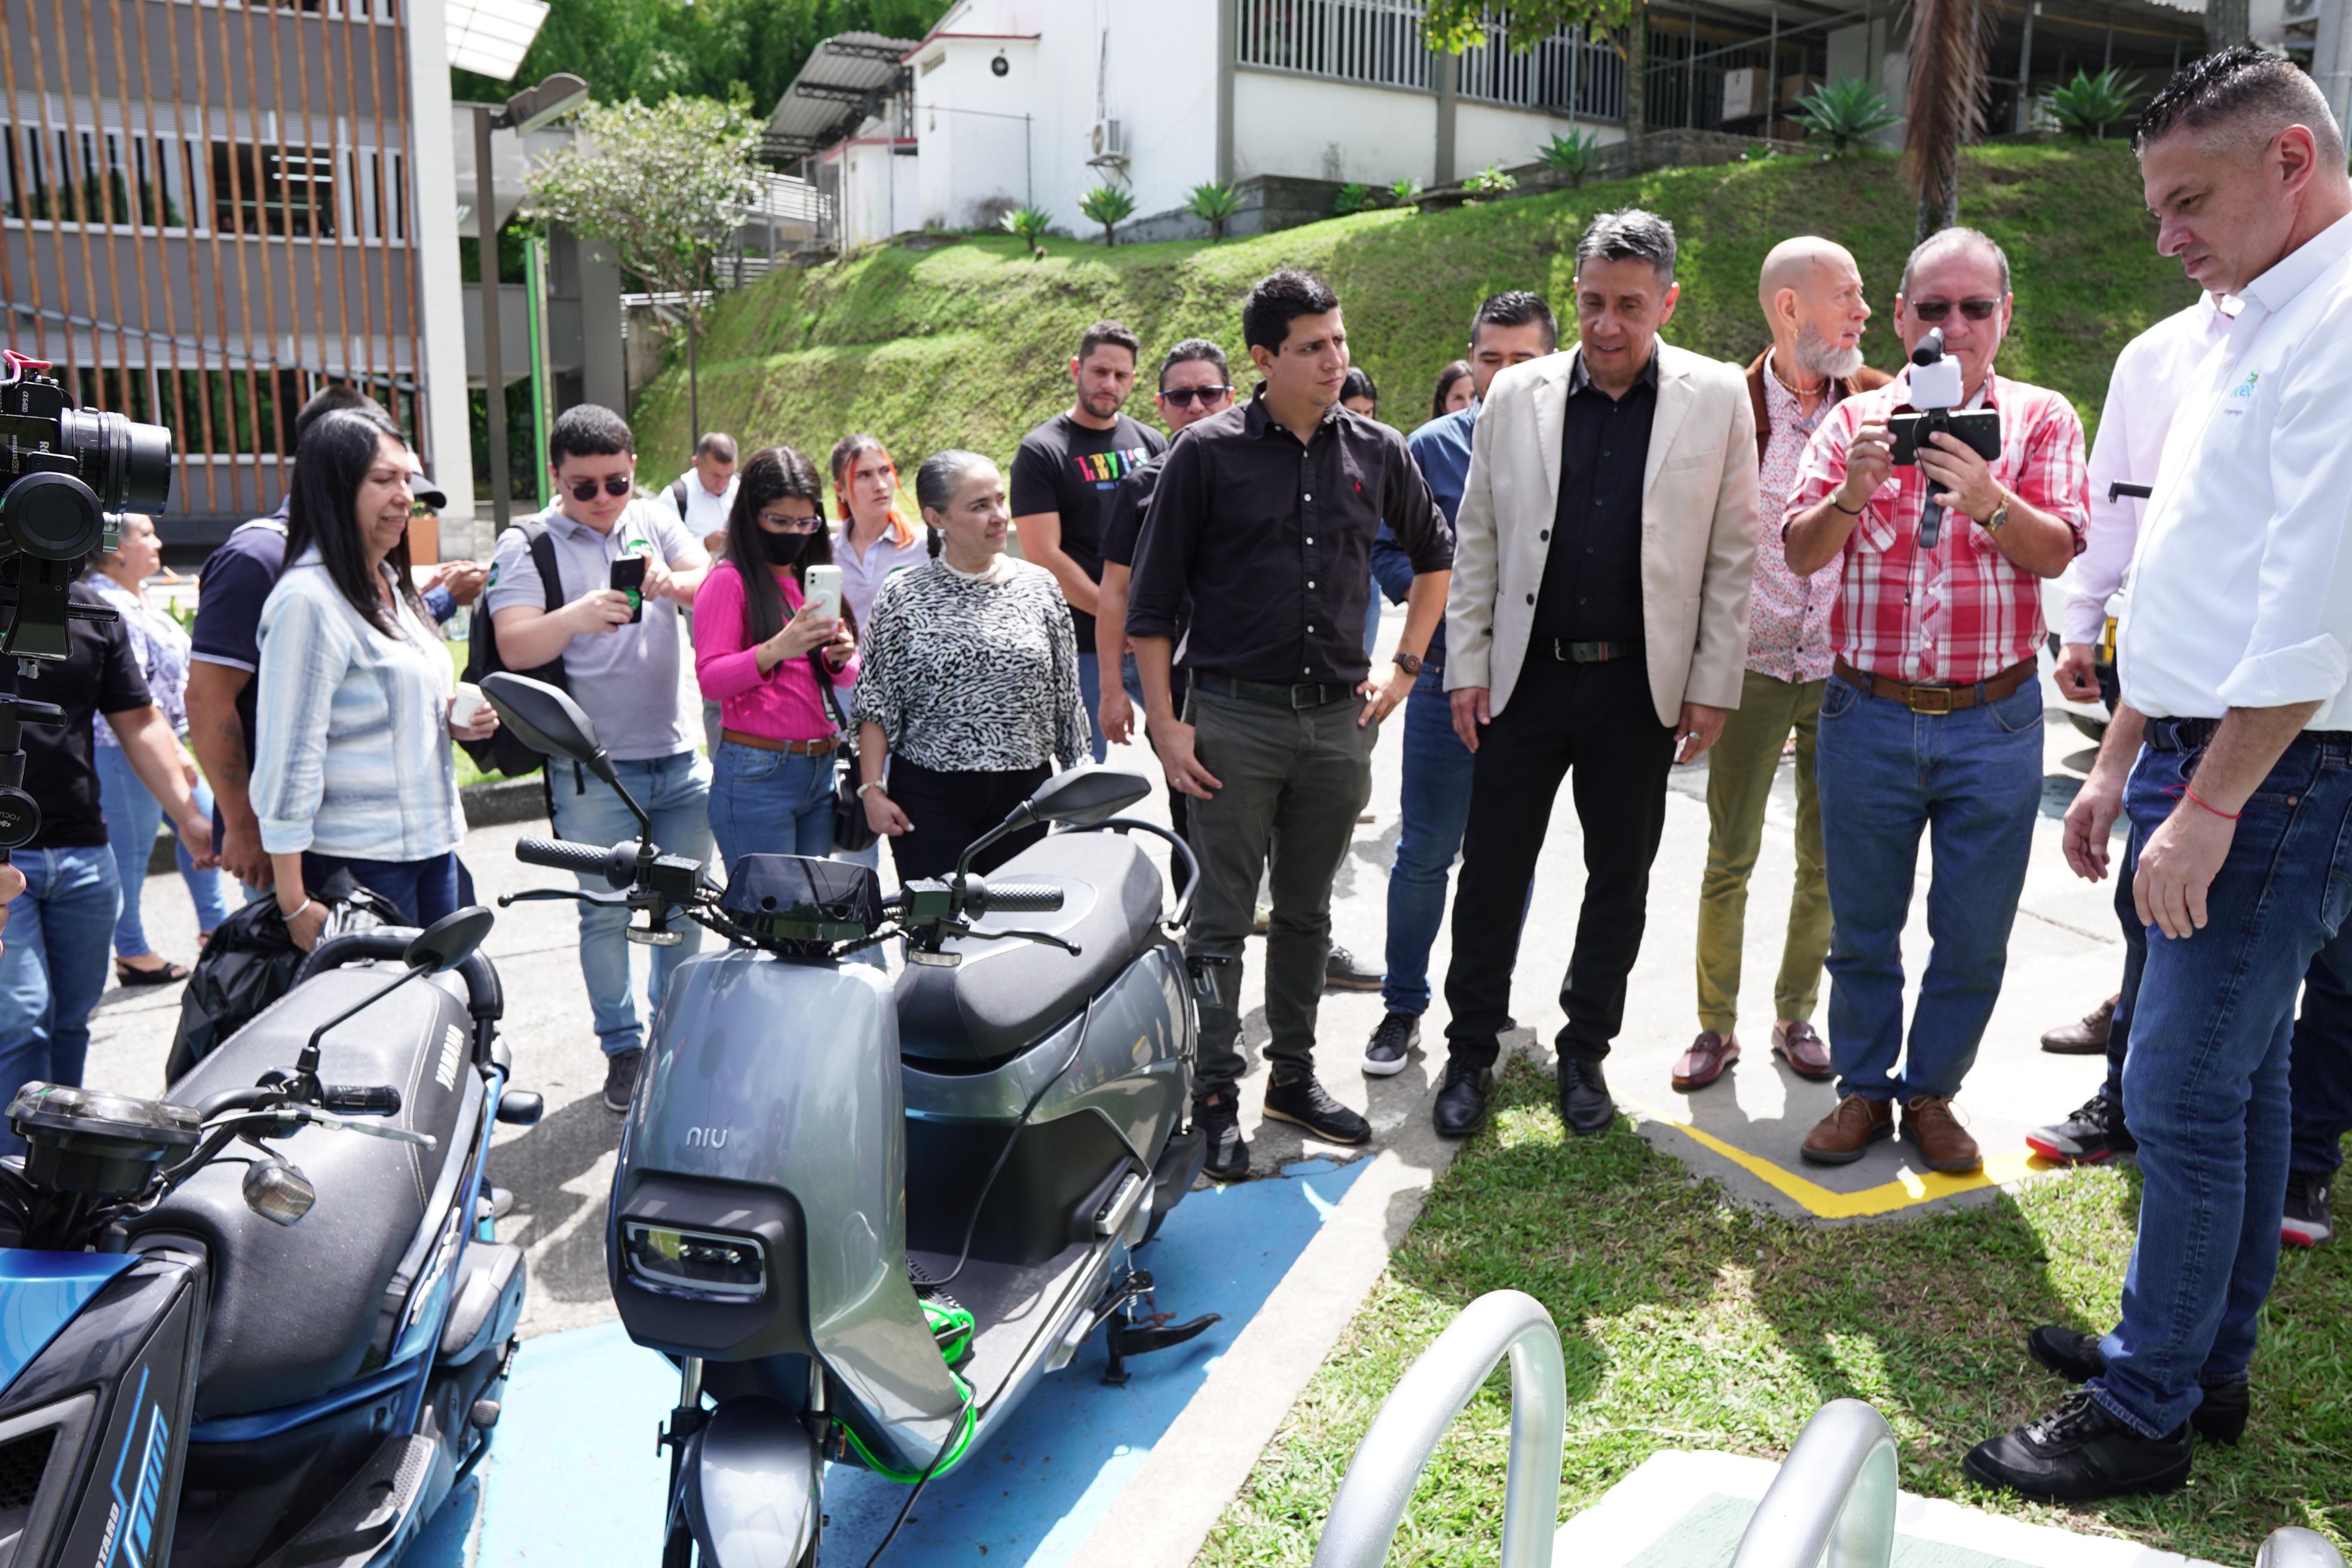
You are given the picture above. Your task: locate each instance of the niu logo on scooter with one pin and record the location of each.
(706, 1137)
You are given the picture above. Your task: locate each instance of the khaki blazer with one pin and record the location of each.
(1699, 530)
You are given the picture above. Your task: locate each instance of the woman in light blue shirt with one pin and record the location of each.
(352, 768)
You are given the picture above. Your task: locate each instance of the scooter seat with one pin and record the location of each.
(296, 1310)
(1006, 993)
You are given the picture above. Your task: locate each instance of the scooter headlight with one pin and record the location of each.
(696, 1262)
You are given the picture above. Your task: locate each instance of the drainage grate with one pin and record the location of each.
(22, 1461)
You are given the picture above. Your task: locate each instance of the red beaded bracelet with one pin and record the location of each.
(2224, 815)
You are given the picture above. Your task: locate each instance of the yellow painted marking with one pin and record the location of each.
(1906, 1190)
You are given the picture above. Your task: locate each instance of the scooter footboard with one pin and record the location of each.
(754, 1487)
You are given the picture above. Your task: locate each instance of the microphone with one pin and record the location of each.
(1934, 390)
(1931, 349)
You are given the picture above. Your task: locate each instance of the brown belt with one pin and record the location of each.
(791, 748)
(1925, 699)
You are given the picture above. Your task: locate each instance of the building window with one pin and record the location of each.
(272, 190)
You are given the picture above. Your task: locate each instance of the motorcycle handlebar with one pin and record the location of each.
(360, 1098)
(1018, 898)
(585, 860)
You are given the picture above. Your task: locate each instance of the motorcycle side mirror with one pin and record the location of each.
(545, 719)
(449, 941)
(277, 1192)
(1086, 796)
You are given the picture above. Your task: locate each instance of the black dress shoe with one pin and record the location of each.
(1219, 1118)
(1461, 1107)
(2081, 1452)
(1584, 1102)
(1304, 1103)
(2220, 1417)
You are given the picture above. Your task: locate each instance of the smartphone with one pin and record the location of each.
(1980, 427)
(629, 577)
(821, 591)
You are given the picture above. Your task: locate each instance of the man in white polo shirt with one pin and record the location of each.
(703, 494)
(2236, 652)
(622, 665)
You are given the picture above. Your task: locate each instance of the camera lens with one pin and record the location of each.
(126, 463)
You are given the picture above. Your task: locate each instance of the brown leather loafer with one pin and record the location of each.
(1807, 1054)
(1840, 1137)
(1943, 1143)
(2086, 1038)
(1704, 1061)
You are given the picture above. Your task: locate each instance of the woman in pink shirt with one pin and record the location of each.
(756, 653)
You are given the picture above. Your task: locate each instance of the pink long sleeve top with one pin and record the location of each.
(784, 704)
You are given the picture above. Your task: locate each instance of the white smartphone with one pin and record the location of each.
(820, 590)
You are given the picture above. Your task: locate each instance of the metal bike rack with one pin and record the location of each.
(1833, 1504)
(2292, 1547)
(1413, 1420)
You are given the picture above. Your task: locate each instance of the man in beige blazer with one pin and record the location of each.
(1599, 627)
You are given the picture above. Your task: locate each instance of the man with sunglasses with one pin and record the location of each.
(622, 663)
(1932, 718)
(1194, 383)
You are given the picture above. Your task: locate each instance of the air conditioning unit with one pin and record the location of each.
(1108, 140)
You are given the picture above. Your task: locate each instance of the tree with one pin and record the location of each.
(1109, 205)
(661, 188)
(1951, 41)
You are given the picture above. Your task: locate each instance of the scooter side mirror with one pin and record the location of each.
(277, 1192)
(545, 719)
(1086, 796)
(449, 941)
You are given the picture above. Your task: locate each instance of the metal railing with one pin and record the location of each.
(1413, 1420)
(1382, 43)
(1833, 1504)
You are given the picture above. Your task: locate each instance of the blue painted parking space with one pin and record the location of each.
(575, 1478)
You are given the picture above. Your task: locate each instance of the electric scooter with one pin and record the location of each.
(214, 1358)
(866, 1218)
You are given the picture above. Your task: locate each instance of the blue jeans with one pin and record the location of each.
(770, 802)
(676, 793)
(422, 890)
(1972, 781)
(1435, 803)
(54, 969)
(1090, 689)
(133, 817)
(2206, 1083)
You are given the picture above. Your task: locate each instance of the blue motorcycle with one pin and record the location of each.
(213, 1355)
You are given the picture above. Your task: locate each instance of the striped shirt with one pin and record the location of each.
(1962, 612)
(353, 755)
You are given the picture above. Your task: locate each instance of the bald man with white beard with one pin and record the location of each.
(1810, 291)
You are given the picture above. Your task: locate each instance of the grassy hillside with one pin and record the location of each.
(964, 343)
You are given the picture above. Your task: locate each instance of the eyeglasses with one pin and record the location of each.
(1932, 311)
(1185, 397)
(585, 489)
(778, 522)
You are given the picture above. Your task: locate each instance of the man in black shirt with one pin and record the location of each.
(1064, 477)
(62, 926)
(1263, 522)
(1598, 633)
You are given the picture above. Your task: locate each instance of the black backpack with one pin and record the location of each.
(250, 963)
(501, 751)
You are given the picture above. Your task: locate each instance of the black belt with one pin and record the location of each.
(1306, 694)
(2189, 734)
(1592, 652)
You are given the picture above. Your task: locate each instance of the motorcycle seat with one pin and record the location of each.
(295, 1310)
(1008, 992)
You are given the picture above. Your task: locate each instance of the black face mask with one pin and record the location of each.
(783, 549)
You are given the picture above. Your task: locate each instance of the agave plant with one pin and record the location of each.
(1490, 181)
(1405, 191)
(1213, 203)
(1846, 112)
(1351, 198)
(1573, 155)
(2089, 104)
(1109, 205)
(1030, 225)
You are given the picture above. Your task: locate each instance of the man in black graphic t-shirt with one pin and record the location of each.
(1063, 478)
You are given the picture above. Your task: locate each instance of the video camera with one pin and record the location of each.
(1936, 392)
(67, 474)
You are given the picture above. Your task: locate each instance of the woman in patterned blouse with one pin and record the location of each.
(969, 679)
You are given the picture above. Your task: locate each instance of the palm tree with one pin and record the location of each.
(1109, 205)
(1951, 41)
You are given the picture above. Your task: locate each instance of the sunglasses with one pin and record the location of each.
(1185, 397)
(777, 521)
(585, 489)
(1933, 311)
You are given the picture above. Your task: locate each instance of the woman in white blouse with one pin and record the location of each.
(352, 768)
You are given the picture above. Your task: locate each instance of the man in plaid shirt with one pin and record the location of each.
(1933, 715)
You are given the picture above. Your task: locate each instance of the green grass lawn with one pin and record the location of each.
(951, 340)
(1689, 1322)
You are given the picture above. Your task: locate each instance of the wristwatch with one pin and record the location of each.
(1408, 662)
(2000, 518)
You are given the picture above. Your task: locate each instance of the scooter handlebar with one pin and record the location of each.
(1019, 898)
(585, 860)
(360, 1098)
